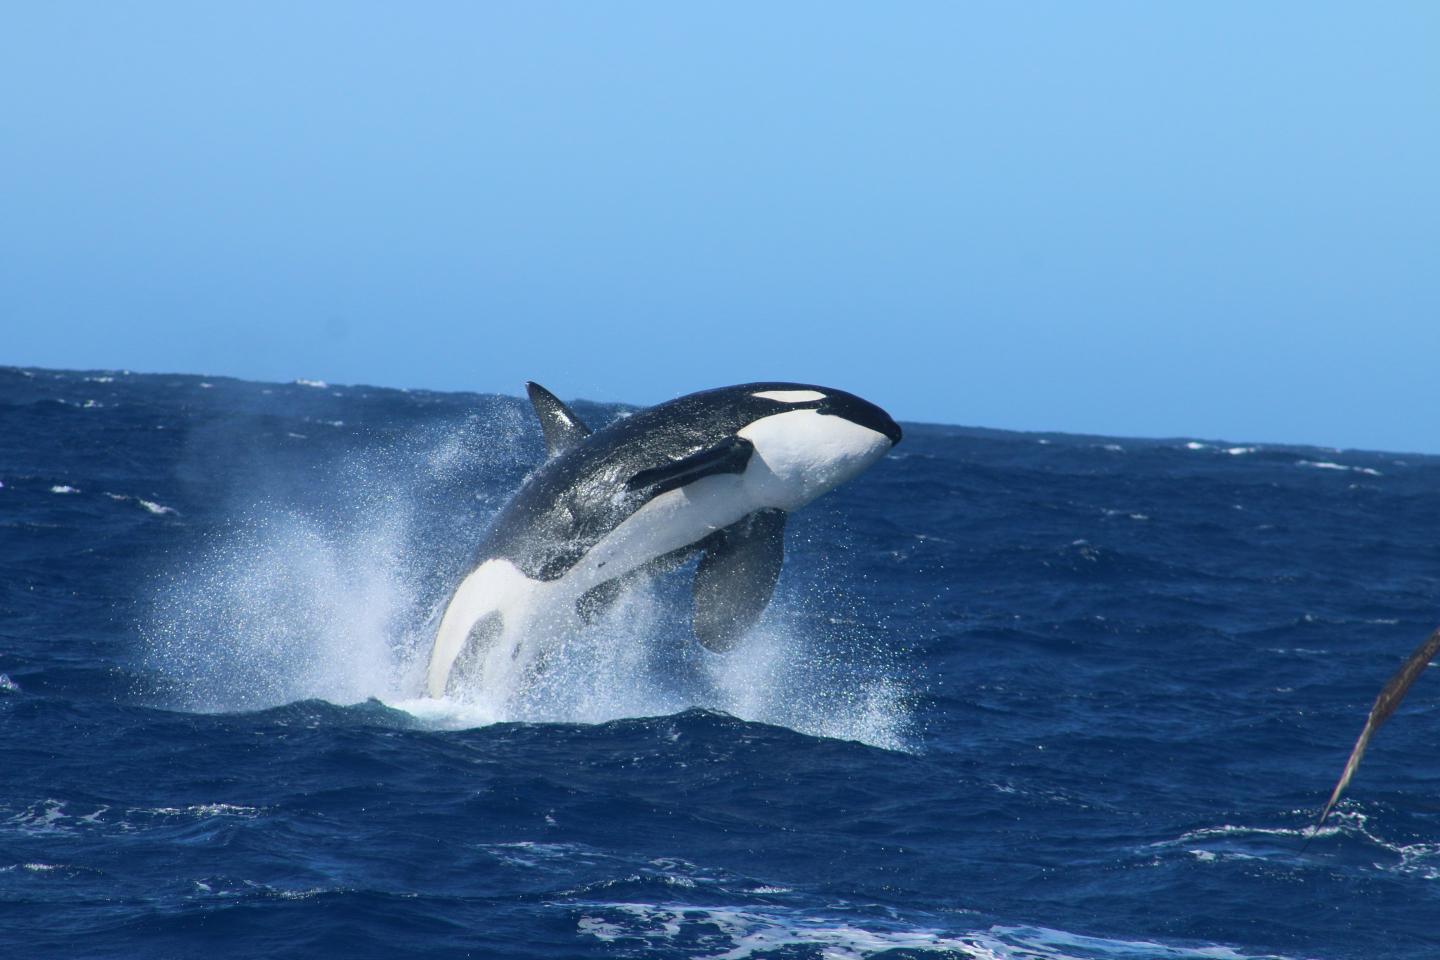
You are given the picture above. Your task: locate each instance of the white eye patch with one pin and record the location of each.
(790, 396)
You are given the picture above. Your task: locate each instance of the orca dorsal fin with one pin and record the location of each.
(561, 427)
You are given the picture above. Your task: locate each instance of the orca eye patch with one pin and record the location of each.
(790, 396)
(860, 412)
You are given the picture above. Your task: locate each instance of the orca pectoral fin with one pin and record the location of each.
(736, 577)
(597, 601)
(561, 427)
(728, 456)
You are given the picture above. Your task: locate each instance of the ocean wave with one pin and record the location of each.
(149, 506)
(1346, 828)
(1327, 465)
(1110, 725)
(721, 932)
(55, 816)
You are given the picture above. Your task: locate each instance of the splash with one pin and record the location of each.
(321, 585)
(339, 599)
(283, 610)
(640, 659)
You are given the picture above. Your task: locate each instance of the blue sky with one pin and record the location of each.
(1212, 219)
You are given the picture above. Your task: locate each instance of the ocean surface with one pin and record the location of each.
(1020, 696)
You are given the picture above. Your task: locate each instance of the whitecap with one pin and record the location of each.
(203, 810)
(317, 384)
(729, 933)
(736, 933)
(1328, 465)
(44, 817)
(297, 894)
(64, 488)
(159, 509)
(1230, 841)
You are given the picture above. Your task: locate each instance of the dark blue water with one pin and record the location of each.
(1019, 696)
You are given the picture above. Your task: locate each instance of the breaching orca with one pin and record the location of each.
(714, 472)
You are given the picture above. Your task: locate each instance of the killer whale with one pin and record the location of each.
(714, 472)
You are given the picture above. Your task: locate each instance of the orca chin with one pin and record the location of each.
(714, 473)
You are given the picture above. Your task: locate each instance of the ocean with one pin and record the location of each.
(1019, 695)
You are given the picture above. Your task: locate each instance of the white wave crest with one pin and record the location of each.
(732, 933)
(1327, 465)
(1244, 842)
